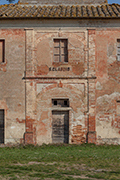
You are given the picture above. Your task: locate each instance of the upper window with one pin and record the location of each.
(118, 108)
(118, 49)
(60, 50)
(2, 50)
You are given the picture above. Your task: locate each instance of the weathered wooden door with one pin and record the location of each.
(60, 127)
(1, 126)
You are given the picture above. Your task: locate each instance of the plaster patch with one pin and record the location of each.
(81, 120)
(40, 87)
(111, 59)
(80, 87)
(107, 97)
(12, 127)
(98, 85)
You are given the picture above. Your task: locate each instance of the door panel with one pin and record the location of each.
(60, 127)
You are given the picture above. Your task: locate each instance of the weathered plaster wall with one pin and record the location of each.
(96, 63)
(77, 123)
(107, 87)
(44, 53)
(40, 93)
(39, 109)
(12, 87)
(91, 85)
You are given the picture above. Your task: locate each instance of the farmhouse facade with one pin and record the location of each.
(60, 72)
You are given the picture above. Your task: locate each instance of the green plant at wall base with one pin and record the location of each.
(64, 162)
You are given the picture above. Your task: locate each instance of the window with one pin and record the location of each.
(1, 126)
(118, 49)
(65, 103)
(60, 50)
(55, 103)
(60, 102)
(118, 108)
(2, 51)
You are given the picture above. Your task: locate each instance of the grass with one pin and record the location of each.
(65, 162)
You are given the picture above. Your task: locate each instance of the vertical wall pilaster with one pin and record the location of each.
(29, 52)
(91, 91)
(91, 43)
(30, 88)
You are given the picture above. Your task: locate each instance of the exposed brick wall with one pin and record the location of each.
(28, 138)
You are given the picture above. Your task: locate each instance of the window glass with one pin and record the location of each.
(60, 50)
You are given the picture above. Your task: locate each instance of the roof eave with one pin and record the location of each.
(14, 18)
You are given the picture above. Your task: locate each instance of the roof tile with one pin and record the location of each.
(60, 11)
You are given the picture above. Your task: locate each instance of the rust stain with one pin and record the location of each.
(42, 128)
(22, 121)
(60, 84)
(42, 70)
(78, 68)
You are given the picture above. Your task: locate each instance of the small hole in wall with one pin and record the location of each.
(55, 103)
(65, 103)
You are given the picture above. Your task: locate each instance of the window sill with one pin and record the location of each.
(61, 108)
(60, 63)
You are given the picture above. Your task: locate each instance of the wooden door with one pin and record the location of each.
(60, 126)
(1, 126)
